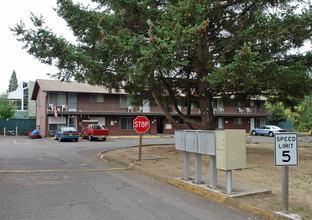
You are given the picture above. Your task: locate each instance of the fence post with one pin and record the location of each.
(4, 131)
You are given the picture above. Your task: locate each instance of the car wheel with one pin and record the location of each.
(271, 134)
(90, 138)
(104, 139)
(76, 140)
(254, 133)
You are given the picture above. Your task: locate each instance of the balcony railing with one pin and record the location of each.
(116, 108)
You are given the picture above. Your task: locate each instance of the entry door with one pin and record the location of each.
(72, 102)
(72, 122)
(160, 125)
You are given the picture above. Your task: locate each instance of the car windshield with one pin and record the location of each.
(275, 127)
(70, 129)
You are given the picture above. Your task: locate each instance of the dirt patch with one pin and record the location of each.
(260, 172)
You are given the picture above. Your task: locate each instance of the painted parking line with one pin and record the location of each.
(55, 171)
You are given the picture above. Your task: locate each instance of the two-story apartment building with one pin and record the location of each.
(69, 103)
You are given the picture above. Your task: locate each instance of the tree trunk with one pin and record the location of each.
(165, 110)
(206, 109)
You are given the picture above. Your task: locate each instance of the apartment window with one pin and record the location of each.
(126, 123)
(238, 121)
(97, 98)
(125, 101)
(181, 121)
(57, 99)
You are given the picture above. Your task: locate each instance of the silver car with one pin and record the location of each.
(268, 130)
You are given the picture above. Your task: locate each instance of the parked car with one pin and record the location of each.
(94, 131)
(66, 133)
(268, 130)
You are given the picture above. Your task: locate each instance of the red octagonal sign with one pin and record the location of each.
(141, 124)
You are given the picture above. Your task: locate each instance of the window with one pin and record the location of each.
(25, 99)
(260, 105)
(17, 104)
(126, 123)
(97, 98)
(181, 121)
(56, 123)
(125, 101)
(238, 121)
(57, 99)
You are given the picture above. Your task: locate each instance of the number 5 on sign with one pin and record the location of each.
(286, 149)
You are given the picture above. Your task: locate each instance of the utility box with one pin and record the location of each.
(206, 142)
(231, 149)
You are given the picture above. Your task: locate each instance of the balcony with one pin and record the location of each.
(115, 108)
(239, 111)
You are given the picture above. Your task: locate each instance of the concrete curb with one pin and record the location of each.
(134, 136)
(213, 196)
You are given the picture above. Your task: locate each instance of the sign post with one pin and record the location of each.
(141, 124)
(286, 154)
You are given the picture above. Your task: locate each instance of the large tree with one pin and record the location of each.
(13, 82)
(181, 52)
(6, 107)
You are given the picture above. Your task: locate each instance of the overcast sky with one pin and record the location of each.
(13, 57)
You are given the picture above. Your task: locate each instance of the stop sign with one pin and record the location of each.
(141, 124)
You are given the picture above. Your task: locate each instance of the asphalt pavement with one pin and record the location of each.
(47, 179)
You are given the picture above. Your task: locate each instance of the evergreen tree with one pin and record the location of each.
(277, 112)
(165, 50)
(6, 107)
(302, 117)
(13, 82)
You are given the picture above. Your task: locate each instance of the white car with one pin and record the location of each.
(268, 130)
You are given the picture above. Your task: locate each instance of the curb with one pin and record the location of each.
(213, 196)
(132, 136)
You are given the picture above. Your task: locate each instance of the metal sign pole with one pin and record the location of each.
(285, 194)
(140, 148)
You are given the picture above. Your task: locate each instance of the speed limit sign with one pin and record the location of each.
(286, 149)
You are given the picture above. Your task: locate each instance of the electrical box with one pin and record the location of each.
(231, 149)
(206, 142)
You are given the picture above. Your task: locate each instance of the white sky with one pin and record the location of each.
(13, 57)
